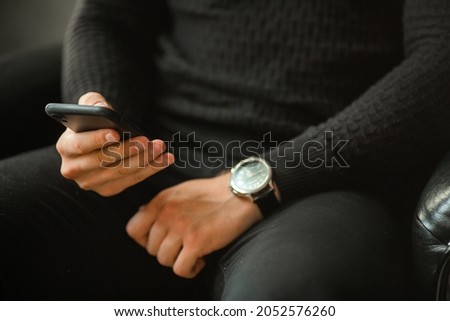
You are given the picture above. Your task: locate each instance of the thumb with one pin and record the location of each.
(93, 99)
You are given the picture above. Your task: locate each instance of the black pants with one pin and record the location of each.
(59, 242)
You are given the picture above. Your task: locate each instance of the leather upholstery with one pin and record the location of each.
(431, 236)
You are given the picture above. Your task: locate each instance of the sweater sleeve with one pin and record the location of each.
(107, 48)
(394, 130)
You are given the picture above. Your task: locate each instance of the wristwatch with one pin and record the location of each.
(252, 178)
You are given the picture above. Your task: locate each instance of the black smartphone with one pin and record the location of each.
(80, 118)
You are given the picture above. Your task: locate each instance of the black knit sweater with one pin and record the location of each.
(375, 73)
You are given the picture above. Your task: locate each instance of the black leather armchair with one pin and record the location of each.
(29, 79)
(30, 68)
(431, 237)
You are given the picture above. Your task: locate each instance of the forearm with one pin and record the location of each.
(398, 125)
(108, 49)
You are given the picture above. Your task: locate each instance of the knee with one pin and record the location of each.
(282, 286)
(335, 246)
(315, 278)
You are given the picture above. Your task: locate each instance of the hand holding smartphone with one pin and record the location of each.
(81, 118)
(101, 164)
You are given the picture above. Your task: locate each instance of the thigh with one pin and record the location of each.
(59, 242)
(331, 246)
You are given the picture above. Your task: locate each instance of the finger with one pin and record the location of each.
(86, 168)
(73, 144)
(155, 238)
(113, 181)
(111, 155)
(169, 250)
(93, 99)
(139, 225)
(151, 158)
(188, 264)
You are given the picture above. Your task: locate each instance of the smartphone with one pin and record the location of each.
(80, 118)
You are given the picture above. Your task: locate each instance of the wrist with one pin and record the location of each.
(244, 203)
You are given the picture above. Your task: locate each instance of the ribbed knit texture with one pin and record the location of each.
(375, 73)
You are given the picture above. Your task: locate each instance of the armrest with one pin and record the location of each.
(29, 79)
(431, 236)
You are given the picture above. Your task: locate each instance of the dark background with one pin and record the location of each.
(31, 23)
(31, 32)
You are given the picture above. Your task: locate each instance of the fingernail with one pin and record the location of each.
(100, 103)
(111, 138)
(158, 147)
(137, 146)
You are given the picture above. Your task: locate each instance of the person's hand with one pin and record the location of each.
(184, 223)
(98, 161)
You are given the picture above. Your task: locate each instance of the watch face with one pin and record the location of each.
(250, 176)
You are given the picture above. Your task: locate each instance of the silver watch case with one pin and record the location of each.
(254, 194)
